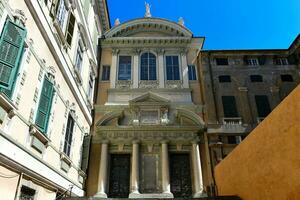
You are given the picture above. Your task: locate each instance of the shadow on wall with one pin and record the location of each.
(266, 165)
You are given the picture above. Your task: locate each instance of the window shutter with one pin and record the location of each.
(85, 152)
(44, 108)
(11, 50)
(70, 29)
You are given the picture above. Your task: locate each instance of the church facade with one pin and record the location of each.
(148, 134)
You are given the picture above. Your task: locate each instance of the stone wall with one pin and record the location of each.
(266, 164)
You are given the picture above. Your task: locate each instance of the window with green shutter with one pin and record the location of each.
(11, 51)
(45, 103)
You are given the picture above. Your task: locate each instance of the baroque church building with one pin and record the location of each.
(147, 139)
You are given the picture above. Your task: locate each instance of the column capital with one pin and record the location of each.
(135, 141)
(104, 141)
(115, 52)
(164, 141)
(195, 141)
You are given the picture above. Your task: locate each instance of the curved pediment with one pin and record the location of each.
(144, 27)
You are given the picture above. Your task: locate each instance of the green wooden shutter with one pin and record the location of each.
(11, 51)
(44, 108)
(85, 152)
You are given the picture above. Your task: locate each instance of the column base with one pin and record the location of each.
(101, 195)
(134, 194)
(199, 195)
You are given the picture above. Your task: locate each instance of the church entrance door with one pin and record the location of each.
(119, 178)
(180, 175)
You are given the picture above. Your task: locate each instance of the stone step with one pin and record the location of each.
(204, 198)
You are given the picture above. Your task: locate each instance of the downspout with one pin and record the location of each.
(18, 189)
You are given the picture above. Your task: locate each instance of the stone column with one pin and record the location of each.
(165, 168)
(113, 68)
(135, 77)
(197, 172)
(134, 187)
(246, 109)
(103, 171)
(161, 71)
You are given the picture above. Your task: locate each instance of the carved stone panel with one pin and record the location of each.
(149, 173)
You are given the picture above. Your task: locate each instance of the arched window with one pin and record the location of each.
(148, 66)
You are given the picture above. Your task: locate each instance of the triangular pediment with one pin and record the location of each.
(149, 98)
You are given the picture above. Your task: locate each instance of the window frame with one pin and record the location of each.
(255, 78)
(194, 73)
(222, 58)
(118, 71)
(230, 114)
(148, 67)
(67, 34)
(172, 67)
(252, 62)
(286, 78)
(225, 79)
(267, 102)
(281, 61)
(102, 72)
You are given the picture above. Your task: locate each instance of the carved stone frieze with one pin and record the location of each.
(147, 135)
(173, 83)
(123, 83)
(148, 84)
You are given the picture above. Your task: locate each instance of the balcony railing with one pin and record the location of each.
(232, 121)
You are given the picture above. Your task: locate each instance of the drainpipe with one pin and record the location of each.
(18, 189)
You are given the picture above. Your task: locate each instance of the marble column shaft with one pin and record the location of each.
(165, 168)
(197, 172)
(135, 168)
(103, 171)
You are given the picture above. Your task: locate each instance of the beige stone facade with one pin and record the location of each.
(42, 136)
(147, 118)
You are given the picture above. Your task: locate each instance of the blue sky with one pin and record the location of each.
(226, 24)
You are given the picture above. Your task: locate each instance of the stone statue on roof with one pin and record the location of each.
(148, 12)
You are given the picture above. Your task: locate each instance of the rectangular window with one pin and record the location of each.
(252, 61)
(262, 105)
(78, 60)
(69, 135)
(229, 106)
(11, 51)
(44, 107)
(172, 66)
(222, 61)
(105, 73)
(286, 78)
(224, 79)
(281, 61)
(27, 193)
(61, 13)
(231, 140)
(70, 29)
(124, 68)
(256, 78)
(192, 72)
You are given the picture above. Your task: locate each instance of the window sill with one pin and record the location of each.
(81, 176)
(65, 162)
(39, 140)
